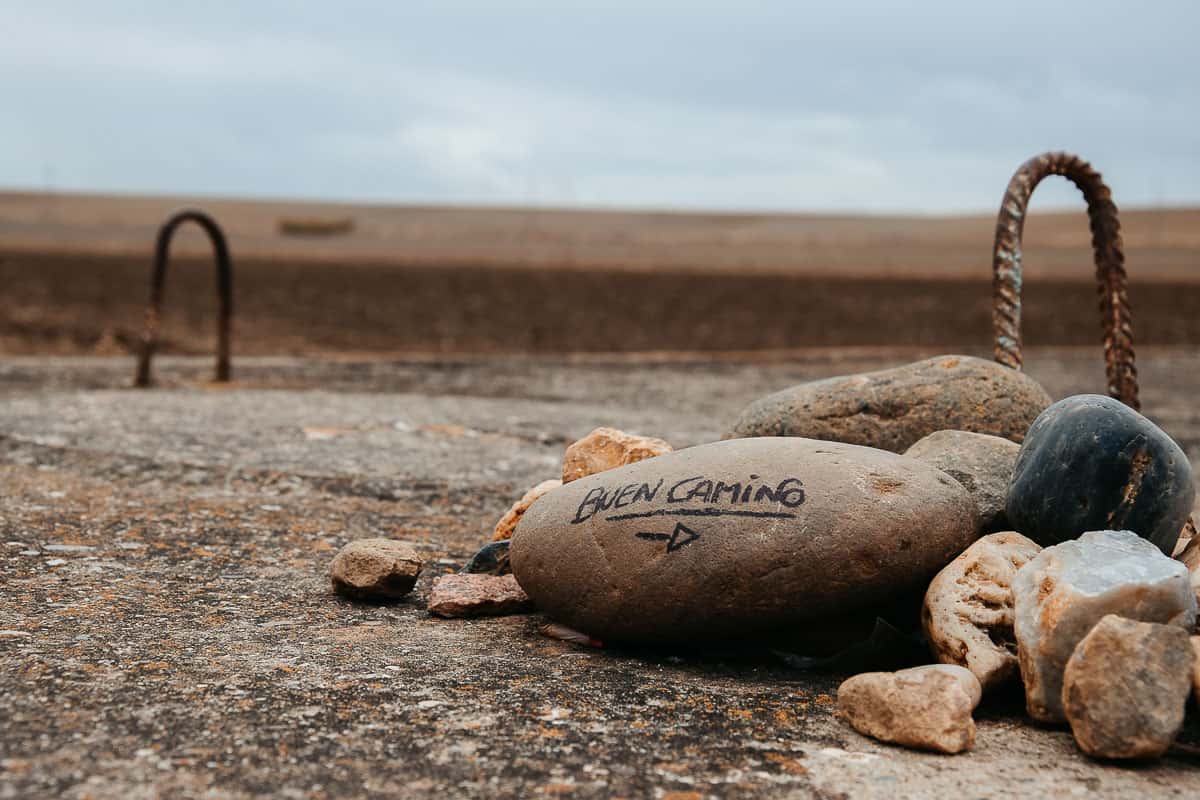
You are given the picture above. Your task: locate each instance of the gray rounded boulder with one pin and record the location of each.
(737, 539)
(983, 464)
(893, 408)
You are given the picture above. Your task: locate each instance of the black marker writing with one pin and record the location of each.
(701, 512)
(718, 495)
(600, 499)
(675, 539)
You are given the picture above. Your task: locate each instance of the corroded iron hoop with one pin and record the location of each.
(158, 279)
(1110, 268)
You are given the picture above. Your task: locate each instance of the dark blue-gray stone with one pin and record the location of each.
(491, 559)
(1092, 463)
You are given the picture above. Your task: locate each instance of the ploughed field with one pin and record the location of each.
(417, 279)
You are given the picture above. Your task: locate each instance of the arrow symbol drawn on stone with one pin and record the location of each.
(675, 539)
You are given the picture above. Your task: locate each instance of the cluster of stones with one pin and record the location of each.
(1040, 534)
(381, 570)
(799, 514)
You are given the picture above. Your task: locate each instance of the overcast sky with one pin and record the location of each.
(693, 104)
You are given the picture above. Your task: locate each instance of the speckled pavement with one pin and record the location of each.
(167, 628)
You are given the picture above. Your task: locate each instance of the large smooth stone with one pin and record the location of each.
(1062, 592)
(893, 408)
(738, 538)
(1092, 463)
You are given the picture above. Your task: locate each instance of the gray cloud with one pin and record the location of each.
(866, 106)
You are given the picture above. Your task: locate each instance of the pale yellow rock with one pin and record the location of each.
(968, 609)
(608, 448)
(926, 708)
(964, 676)
(508, 523)
(375, 569)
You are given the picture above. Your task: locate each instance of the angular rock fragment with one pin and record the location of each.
(894, 408)
(508, 522)
(1092, 463)
(1066, 589)
(608, 448)
(1190, 557)
(739, 539)
(1126, 686)
(927, 708)
(378, 569)
(1186, 549)
(464, 595)
(983, 464)
(968, 609)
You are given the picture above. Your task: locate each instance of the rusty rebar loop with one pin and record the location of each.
(158, 279)
(1115, 319)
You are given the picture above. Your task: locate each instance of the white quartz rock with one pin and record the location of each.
(1061, 593)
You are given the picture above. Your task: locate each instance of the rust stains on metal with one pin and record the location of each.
(1110, 268)
(158, 283)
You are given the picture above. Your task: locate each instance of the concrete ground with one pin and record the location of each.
(167, 626)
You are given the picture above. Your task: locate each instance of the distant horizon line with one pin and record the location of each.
(570, 207)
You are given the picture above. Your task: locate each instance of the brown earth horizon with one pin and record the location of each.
(402, 279)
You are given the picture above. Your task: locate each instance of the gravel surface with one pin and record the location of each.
(167, 626)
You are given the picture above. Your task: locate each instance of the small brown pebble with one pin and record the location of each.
(477, 595)
(1126, 686)
(508, 523)
(925, 708)
(608, 448)
(1188, 551)
(375, 569)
